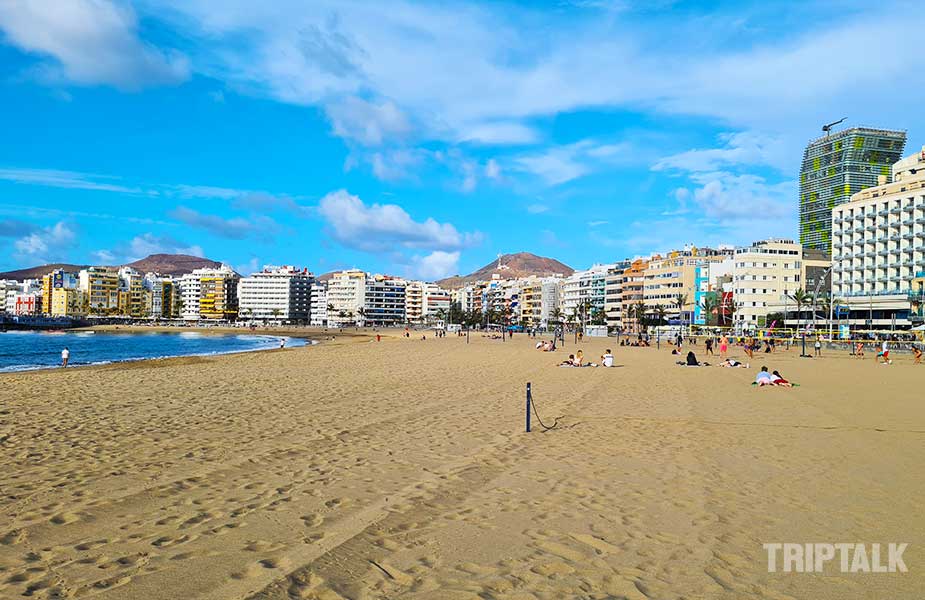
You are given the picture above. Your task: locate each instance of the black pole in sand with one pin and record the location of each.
(528, 407)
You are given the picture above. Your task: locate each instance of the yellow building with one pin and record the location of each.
(681, 272)
(66, 302)
(218, 297)
(633, 292)
(100, 287)
(59, 278)
(131, 293)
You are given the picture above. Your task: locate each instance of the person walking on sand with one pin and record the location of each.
(65, 357)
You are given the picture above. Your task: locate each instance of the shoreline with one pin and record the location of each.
(310, 338)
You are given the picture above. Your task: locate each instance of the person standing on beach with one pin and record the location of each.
(65, 356)
(723, 346)
(818, 347)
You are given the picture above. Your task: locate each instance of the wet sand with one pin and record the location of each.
(400, 469)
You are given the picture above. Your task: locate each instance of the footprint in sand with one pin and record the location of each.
(65, 518)
(312, 520)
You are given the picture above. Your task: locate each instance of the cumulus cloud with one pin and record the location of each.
(45, 245)
(730, 197)
(142, 246)
(89, 42)
(436, 265)
(380, 227)
(369, 123)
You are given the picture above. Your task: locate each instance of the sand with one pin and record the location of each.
(400, 469)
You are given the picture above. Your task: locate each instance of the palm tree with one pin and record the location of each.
(709, 307)
(361, 312)
(639, 312)
(801, 298)
(557, 316)
(660, 313)
(681, 301)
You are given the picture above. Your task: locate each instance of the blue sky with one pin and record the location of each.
(422, 139)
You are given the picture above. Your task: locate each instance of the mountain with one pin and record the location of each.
(522, 264)
(165, 264)
(173, 264)
(39, 271)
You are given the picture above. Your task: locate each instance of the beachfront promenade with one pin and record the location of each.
(363, 469)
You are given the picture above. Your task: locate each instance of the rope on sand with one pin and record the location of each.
(531, 407)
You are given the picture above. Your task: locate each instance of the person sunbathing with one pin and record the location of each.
(763, 378)
(776, 379)
(731, 362)
(570, 362)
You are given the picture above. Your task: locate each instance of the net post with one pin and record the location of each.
(529, 397)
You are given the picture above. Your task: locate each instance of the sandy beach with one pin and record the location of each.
(400, 469)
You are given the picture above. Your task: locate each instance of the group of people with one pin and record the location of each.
(577, 360)
(546, 346)
(773, 378)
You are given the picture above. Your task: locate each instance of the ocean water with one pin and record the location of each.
(25, 350)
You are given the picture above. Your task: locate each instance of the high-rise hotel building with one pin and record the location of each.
(834, 168)
(879, 247)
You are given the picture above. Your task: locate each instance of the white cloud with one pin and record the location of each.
(744, 148)
(436, 265)
(500, 133)
(380, 227)
(492, 169)
(70, 180)
(49, 244)
(148, 243)
(142, 246)
(729, 197)
(394, 165)
(554, 166)
(89, 42)
(536, 209)
(368, 123)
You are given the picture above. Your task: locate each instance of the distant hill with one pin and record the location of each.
(173, 264)
(165, 264)
(522, 264)
(39, 271)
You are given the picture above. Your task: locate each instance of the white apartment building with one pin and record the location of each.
(764, 277)
(188, 293)
(160, 295)
(384, 302)
(424, 301)
(319, 304)
(278, 294)
(878, 247)
(539, 299)
(469, 298)
(613, 295)
(347, 298)
(582, 287)
(680, 273)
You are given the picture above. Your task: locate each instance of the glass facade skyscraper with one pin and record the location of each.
(835, 167)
